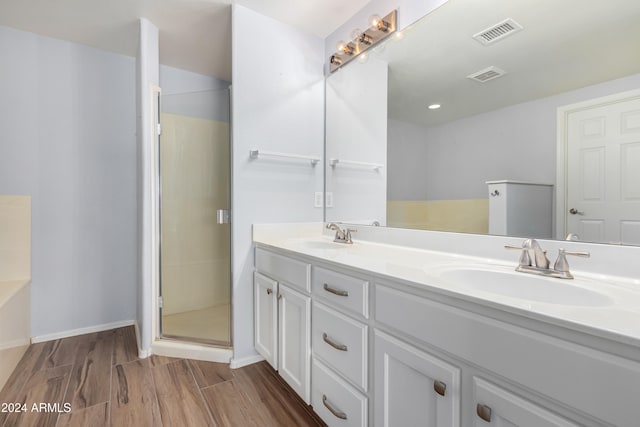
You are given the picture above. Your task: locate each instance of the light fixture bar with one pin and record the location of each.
(365, 40)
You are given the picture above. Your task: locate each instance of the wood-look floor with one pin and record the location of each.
(100, 378)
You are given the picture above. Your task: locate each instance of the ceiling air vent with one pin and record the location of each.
(498, 32)
(487, 74)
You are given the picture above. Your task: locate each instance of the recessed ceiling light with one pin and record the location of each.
(433, 106)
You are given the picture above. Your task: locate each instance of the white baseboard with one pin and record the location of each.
(245, 361)
(142, 354)
(82, 331)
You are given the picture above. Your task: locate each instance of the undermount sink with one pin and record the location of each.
(529, 287)
(318, 244)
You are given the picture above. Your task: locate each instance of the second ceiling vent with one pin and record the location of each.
(498, 32)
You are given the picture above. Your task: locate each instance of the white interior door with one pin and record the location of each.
(603, 172)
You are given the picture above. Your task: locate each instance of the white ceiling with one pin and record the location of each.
(565, 45)
(194, 34)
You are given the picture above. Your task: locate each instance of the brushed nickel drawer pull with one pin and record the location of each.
(336, 291)
(439, 387)
(484, 412)
(332, 343)
(269, 291)
(335, 412)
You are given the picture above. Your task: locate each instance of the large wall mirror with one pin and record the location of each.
(505, 117)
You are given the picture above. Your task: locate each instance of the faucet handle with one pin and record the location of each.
(348, 232)
(561, 264)
(524, 261)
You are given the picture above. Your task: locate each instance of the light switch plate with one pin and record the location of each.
(329, 200)
(317, 203)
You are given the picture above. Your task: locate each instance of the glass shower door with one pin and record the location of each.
(195, 281)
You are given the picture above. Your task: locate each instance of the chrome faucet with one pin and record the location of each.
(342, 236)
(537, 256)
(534, 260)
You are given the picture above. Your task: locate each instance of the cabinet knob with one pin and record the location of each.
(269, 291)
(439, 387)
(279, 295)
(338, 414)
(484, 412)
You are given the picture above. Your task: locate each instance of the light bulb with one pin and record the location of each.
(344, 48)
(355, 34)
(434, 106)
(379, 24)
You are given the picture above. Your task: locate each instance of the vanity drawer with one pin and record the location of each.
(342, 290)
(341, 342)
(335, 401)
(284, 269)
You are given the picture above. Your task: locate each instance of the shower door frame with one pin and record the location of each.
(158, 298)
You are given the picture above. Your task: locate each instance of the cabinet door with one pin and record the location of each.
(498, 407)
(266, 318)
(412, 387)
(294, 348)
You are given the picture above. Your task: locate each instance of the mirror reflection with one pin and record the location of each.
(510, 118)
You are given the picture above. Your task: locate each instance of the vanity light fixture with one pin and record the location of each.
(365, 39)
(380, 29)
(335, 61)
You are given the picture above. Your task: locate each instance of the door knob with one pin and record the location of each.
(574, 211)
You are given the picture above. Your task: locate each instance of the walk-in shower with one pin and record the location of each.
(194, 192)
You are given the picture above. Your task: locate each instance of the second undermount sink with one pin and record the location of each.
(527, 287)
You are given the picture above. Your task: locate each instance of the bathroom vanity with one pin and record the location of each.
(389, 334)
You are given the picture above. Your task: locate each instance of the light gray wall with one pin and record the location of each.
(406, 155)
(67, 114)
(356, 130)
(278, 105)
(175, 81)
(454, 160)
(194, 95)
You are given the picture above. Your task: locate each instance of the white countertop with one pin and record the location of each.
(618, 318)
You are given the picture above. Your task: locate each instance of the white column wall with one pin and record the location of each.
(278, 105)
(148, 75)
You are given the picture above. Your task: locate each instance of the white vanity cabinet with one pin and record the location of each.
(380, 351)
(283, 318)
(589, 386)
